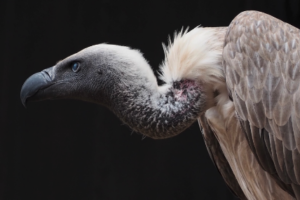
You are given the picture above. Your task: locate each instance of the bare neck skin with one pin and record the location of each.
(160, 114)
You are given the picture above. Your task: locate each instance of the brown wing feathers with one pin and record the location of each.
(262, 67)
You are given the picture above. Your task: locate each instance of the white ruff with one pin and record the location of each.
(194, 55)
(197, 55)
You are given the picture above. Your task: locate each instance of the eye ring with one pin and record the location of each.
(75, 66)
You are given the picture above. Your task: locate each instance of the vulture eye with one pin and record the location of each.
(75, 66)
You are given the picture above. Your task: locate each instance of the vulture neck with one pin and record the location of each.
(194, 79)
(162, 112)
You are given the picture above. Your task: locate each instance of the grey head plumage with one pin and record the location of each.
(121, 79)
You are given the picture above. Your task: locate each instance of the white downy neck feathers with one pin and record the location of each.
(197, 55)
(194, 55)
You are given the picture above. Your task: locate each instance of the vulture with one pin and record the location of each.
(241, 83)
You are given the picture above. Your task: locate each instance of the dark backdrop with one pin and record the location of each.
(76, 150)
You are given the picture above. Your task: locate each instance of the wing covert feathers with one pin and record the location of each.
(262, 68)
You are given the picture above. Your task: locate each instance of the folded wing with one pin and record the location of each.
(262, 67)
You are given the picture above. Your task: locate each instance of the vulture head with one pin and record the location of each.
(97, 74)
(121, 79)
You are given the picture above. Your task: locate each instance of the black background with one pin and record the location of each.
(75, 150)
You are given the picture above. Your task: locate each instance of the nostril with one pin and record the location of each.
(48, 73)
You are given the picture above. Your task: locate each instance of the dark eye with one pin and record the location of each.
(75, 66)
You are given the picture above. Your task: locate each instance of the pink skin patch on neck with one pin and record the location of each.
(184, 88)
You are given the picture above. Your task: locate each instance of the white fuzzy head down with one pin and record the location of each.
(195, 55)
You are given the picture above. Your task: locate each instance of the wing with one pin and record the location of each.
(216, 154)
(262, 67)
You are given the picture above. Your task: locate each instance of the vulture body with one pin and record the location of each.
(240, 82)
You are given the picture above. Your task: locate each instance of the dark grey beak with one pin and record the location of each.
(35, 84)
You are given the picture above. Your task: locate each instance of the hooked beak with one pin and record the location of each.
(35, 84)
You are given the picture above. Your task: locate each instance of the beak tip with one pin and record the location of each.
(33, 85)
(23, 98)
(24, 103)
(24, 95)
